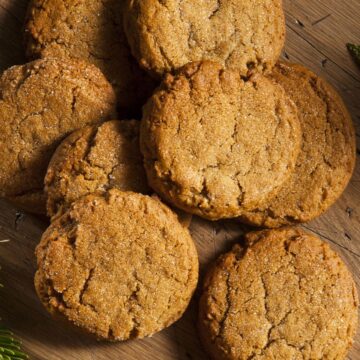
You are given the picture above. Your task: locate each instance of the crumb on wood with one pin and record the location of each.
(349, 211)
(348, 236)
(300, 23)
(19, 217)
(323, 62)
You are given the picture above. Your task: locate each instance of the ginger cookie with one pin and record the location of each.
(91, 31)
(327, 157)
(95, 158)
(243, 35)
(184, 217)
(214, 144)
(288, 295)
(118, 265)
(40, 103)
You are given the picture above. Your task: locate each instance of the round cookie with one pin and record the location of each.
(327, 157)
(40, 103)
(117, 265)
(286, 296)
(243, 35)
(214, 144)
(91, 31)
(95, 158)
(184, 217)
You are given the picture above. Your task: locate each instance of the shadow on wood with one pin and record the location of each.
(11, 32)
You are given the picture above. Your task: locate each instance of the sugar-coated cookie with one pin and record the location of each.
(41, 102)
(215, 144)
(287, 295)
(327, 157)
(118, 265)
(95, 158)
(91, 31)
(246, 35)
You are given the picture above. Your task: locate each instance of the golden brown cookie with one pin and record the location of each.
(118, 265)
(243, 35)
(95, 158)
(91, 31)
(327, 158)
(184, 217)
(214, 144)
(40, 103)
(287, 295)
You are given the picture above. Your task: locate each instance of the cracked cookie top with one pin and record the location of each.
(215, 144)
(119, 265)
(243, 35)
(95, 158)
(40, 103)
(91, 31)
(286, 296)
(327, 158)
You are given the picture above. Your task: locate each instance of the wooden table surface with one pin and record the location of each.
(317, 31)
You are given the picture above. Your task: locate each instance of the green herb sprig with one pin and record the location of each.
(10, 348)
(354, 51)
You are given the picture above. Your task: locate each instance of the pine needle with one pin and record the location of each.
(10, 348)
(354, 51)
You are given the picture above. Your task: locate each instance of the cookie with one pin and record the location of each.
(288, 295)
(327, 157)
(184, 217)
(243, 35)
(118, 265)
(214, 144)
(91, 31)
(40, 103)
(95, 158)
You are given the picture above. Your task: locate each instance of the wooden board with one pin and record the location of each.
(317, 31)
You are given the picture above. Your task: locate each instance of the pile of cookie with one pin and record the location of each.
(227, 131)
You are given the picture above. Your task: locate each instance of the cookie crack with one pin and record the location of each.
(162, 51)
(74, 92)
(274, 325)
(27, 74)
(227, 307)
(84, 289)
(266, 312)
(57, 202)
(216, 10)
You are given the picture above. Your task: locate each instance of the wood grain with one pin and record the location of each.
(317, 31)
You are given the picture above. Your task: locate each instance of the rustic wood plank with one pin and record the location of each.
(317, 33)
(328, 26)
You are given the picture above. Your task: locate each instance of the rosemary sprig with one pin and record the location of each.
(10, 348)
